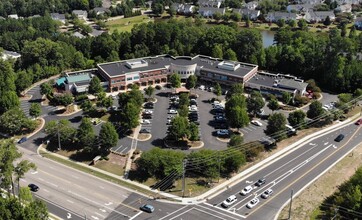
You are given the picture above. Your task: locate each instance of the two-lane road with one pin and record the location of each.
(292, 172)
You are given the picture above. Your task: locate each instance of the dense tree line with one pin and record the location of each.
(26, 8)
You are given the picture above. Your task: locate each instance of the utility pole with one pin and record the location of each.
(59, 146)
(335, 213)
(184, 162)
(290, 205)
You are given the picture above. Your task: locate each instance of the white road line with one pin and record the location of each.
(22, 180)
(100, 214)
(215, 207)
(119, 148)
(133, 217)
(182, 213)
(95, 217)
(173, 212)
(208, 213)
(70, 201)
(101, 187)
(45, 190)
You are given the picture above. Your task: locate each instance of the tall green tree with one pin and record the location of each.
(230, 55)
(235, 140)
(217, 90)
(238, 117)
(273, 105)
(67, 133)
(130, 115)
(86, 135)
(194, 132)
(108, 137)
(179, 128)
(255, 102)
(315, 110)
(297, 119)
(175, 80)
(217, 51)
(46, 89)
(237, 88)
(14, 121)
(35, 110)
(21, 169)
(149, 91)
(286, 97)
(95, 86)
(191, 82)
(276, 126)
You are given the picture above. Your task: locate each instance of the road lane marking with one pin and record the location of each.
(182, 213)
(133, 217)
(103, 210)
(70, 201)
(173, 212)
(224, 210)
(95, 217)
(208, 213)
(100, 214)
(307, 172)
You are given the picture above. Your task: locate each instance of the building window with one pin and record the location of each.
(113, 81)
(136, 77)
(129, 78)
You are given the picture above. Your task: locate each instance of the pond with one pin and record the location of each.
(268, 37)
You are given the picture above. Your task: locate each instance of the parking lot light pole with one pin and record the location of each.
(184, 162)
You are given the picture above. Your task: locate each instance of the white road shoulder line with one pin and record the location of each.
(133, 217)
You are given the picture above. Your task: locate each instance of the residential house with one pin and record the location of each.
(210, 3)
(276, 16)
(358, 23)
(10, 55)
(96, 32)
(79, 35)
(180, 8)
(311, 2)
(80, 14)
(319, 16)
(299, 8)
(247, 13)
(251, 5)
(58, 17)
(210, 11)
(13, 16)
(352, 2)
(101, 10)
(344, 8)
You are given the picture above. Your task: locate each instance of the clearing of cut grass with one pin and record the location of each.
(126, 24)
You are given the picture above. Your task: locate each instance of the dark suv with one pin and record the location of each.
(339, 138)
(260, 182)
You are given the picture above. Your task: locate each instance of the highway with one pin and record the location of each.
(292, 172)
(71, 194)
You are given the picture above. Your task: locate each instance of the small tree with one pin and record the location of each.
(238, 117)
(276, 126)
(87, 106)
(327, 21)
(194, 132)
(179, 128)
(255, 102)
(235, 141)
(183, 110)
(130, 115)
(191, 82)
(315, 110)
(297, 119)
(108, 137)
(286, 97)
(86, 135)
(237, 88)
(35, 110)
(273, 105)
(217, 90)
(149, 91)
(21, 169)
(175, 80)
(95, 86)
(46, 89)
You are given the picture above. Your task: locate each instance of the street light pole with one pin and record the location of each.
(184, 162)
(290, 205)
(59, 146)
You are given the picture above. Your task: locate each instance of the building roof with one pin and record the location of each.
(280, 81)
(57, 16)
(78, 78)
(60, 81)
(79, 12)
(164, 61)
(79, 35)
(100, 10)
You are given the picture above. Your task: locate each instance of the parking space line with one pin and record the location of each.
(119, 148)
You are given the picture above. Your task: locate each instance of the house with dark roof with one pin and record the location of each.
(319, 16)
(101, 10)
(299, 8)
(344, 8)
(58, 17)
(80, 14)
(210, 11)
(251, 5)
(247, 13)
(276, 16)
(276, 84)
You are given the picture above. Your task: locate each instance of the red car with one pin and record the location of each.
(359, 122)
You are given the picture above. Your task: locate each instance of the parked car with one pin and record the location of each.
(246, 190)
(267, 193)
(149, 105)
(260, 182)
(33, 187)
(229, 201)
(257, 123)
(145, 131)
(145, 122)
(168, 122)
(148, 116)
(22, 140)
(172, 111)
(252, 203)
(359, 122)
(223, 133)
(170, 116)
(147, 208)
(147, 111)
(221, 126)
(339, 138)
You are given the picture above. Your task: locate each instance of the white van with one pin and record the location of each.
(290, 130)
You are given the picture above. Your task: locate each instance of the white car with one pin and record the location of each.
(147, 111)
(257, 123)
(252, 203)
(229, 201)
(246, 190)
(267, 193)
(145, 122)
(172, 111)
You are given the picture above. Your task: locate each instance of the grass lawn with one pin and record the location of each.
(110, 167)
(126, 24)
